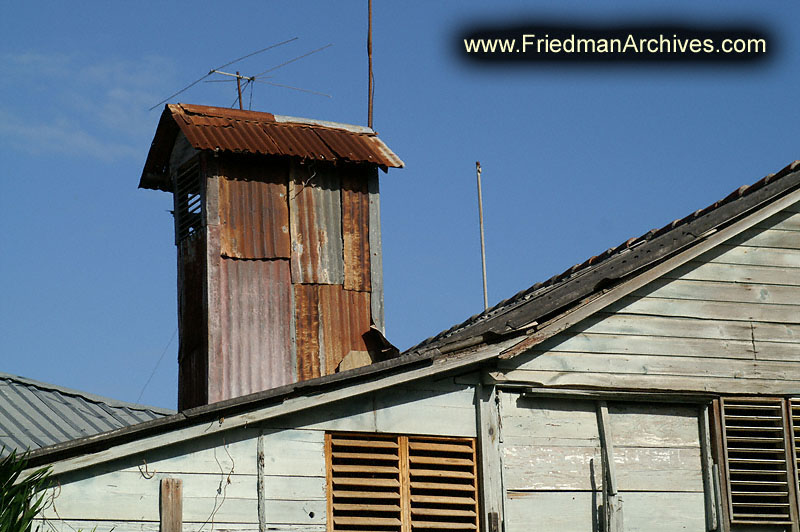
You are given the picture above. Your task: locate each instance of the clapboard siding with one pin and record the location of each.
(728, 321)
(220, 472)
(552, 464)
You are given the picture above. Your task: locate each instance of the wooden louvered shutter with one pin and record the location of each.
(443, 488)
(379, 483)
(794, 404)
(756, 455)
(363, 483)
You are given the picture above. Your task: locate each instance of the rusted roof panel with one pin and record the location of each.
(355, 230)
(315, 224)
(234, 130)
(254, 213)
(253, 353)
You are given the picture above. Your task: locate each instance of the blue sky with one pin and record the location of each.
(576, 159)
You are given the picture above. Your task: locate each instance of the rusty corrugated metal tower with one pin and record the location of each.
(277, 223)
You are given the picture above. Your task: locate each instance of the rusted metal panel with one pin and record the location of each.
(307, 336)
(376, 255)
(355, 228)
(253, 209)
(253, 351)
(192, 360)
(315, 215)
(234, 130)
(331, 322)
(345, 318)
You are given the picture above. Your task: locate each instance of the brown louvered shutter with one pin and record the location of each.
(401, 483)
(756, 455)
(363, 483)
(443, 488)
(795, 407)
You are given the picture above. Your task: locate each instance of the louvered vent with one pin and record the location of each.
(795, 405)
(188, 202)
(364, 483)
(380, 483)
(755, 448)
(442, 484)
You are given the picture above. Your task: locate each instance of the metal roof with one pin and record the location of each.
(545, 299)
(234, 130)
(34, 414)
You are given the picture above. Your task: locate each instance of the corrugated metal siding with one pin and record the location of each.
(192, 360)
(330, 323)
(35, 414)
(355, 230)
(306, 318)
(346, 317)
(254, 212)
(253, 349)
(233, 130)
(315, 214)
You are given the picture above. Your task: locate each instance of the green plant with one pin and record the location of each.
(20, 498)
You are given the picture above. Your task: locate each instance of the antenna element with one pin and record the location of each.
(483, 246)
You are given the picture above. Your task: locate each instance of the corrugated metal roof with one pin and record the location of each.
(602, 271)
(234, 130)
(34, 414)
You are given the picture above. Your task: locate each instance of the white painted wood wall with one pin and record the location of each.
(727, 322)
(220, 473)
(553, 472)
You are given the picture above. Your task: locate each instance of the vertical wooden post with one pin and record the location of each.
(491, 465)
(708, 476)
(171, 505)
(612, 503)
(262, 511)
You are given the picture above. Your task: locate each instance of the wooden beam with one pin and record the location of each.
(491, 465)
(712, 519)
(262, 511)
(171, 505)
(612, 503)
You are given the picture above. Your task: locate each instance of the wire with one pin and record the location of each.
(293, 60)
(257, 52)
(168, 98)
(157, 363)
(294, 88)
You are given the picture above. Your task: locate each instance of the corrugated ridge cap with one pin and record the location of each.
(114, 403)
(542, 288)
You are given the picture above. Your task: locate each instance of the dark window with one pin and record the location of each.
(188, 202)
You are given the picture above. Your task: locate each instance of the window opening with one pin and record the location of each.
(188, 202)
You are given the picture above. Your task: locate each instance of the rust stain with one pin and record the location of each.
(254, 212)
(306, 312)
(315, 225)
(355, 230)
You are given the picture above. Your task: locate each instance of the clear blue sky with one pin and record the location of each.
(575, 159)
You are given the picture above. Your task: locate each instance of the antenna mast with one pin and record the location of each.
(483, 246)
(369, 55)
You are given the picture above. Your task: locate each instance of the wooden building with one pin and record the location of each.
(655, 387)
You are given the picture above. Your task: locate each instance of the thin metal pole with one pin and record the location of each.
(239, 88)
(483, 245)
(369, 54)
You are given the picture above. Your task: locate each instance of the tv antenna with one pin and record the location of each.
(249, 80)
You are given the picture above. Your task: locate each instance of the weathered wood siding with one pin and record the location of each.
(552, 465)
(220, 473)
(729, 321)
